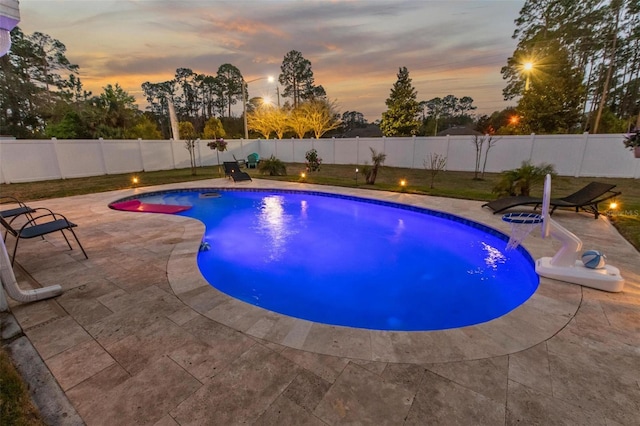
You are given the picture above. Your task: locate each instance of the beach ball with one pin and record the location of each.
(593, 259)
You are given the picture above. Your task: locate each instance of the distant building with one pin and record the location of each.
(459, 130)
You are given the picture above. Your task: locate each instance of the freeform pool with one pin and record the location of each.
(354, 262)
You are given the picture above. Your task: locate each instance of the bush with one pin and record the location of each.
(313, 161)
(272, 166)
(519, 181)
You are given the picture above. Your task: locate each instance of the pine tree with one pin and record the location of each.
(400, 119)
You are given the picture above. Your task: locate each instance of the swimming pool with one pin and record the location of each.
(354, 262)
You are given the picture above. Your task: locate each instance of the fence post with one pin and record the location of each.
(578, 168)
(3, 176)
(357, 149)
(103, 160)
(413, 157)
(173, 155)
(199, 153)
(333, 140)
(447, 155)
(140, 153)
(57, 155)
(533, 141)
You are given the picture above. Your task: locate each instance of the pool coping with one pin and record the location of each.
(544, 314)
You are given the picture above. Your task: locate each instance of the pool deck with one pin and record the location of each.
(138, 337)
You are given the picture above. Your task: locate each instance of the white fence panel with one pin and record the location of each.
(602, 157)
(121, 156)
(286, 149)
(80, 158)
(505, 153)
(299, 149)
(326, 150)
(572, 155)
(267, 148)
(366, 145)
(461, 154)
(563, 151)
(156, 155)
(346, 151)
(28, 161)
(180, 155)
(400, 151)
(425, 146)
(240, 149)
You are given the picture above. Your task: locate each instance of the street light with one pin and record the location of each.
(244, 101)
(527, 67)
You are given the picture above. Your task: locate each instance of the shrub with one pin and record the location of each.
(371, 172)
(272, 166)
(313, 160)
(518, 181)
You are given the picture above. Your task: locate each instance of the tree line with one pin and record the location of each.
(576, 68)
(584, 70)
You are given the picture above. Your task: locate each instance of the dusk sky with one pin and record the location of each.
(355, 46)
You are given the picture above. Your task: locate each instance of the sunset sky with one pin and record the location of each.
(355, 46)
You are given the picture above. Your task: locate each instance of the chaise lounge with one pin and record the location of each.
(586, 199)
(232, 170)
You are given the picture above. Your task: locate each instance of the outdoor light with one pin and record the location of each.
(527, 67)
(403, 182)
(9, 18)
(135, 180)
(303, 175)
(244, 101)
(613, 205)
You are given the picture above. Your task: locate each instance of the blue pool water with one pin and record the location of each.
(353, 262)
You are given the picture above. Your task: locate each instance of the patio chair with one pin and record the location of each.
(586, 199)
(232, 170)
(39, 226)
(19, 209)
(252, 160)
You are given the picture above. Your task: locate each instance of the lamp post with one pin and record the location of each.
(244, 101)
(527, 67)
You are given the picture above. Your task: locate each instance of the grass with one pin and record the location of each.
(447, 184)
(16, 407)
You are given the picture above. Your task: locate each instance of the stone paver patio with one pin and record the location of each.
(138, 337)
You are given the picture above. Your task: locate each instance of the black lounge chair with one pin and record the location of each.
(586, 199)
(232, 170)
(40, 226)
(241, 163)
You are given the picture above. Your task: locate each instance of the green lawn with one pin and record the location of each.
(447, 184)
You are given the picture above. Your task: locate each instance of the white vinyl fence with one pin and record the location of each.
(572, 155)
